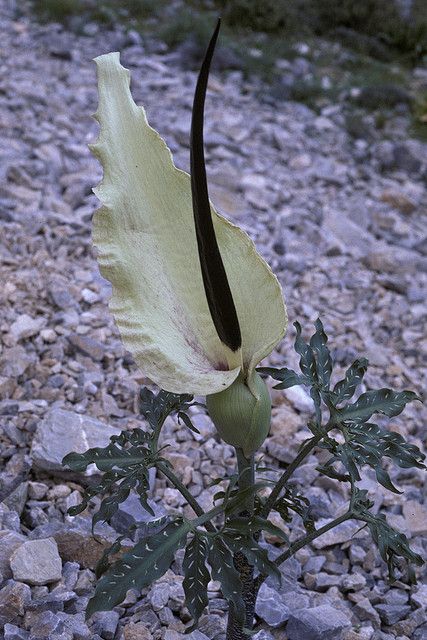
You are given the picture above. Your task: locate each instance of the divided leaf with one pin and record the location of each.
(322, 355)
(344, 389)
(252, 526)
(223, 570)
(385, 401)
(196, 575)
(307, 361)
(292, 501)
(391, 544)
(148, 560)
(288, 377)
(125, 461)
(156, 408)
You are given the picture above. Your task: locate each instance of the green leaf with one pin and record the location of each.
(125, 461)
(156, 408)
(387, 443)
(292, 501)
(322, 355)
(241, 497)
(288, 377)
(223, 570)
(385, 401)
(148, 560)
(256, 555)
(106, 458)
(344, 389)
(253, 525)
(391, 544)
(187, 421)
(307, 361)
(196, 576)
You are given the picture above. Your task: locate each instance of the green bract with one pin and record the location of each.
(242, 415)
(147, 248)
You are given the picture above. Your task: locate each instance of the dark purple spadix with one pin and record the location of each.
(218, 293)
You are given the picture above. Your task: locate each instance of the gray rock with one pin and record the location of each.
(9, 520)
(420, 633)
(15, 361)
(419, 598)
(48, 625)
(342, 533)
(37, 562)
(391, 613)
(322, 581)
(314, 564)
(263, 635)
(346, 234)
(25, 327)
(131, 511)
(354, 582)
(270, 608)
(70, 573)
(9, 542)
(365, 611)
(62, 432)
(12, 632)
(14, 599)
(319, 623)
(196, 635)
(159, 595)
(85, 582)
(396, 596)
(406, 156)
(105, 623)
(75, 540)
(88, 346)
(76, 625)
(17, 498)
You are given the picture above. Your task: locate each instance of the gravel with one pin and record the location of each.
(341, 221)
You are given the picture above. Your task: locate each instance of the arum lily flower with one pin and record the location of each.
(195, 304)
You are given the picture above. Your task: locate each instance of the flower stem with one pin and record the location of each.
(235, 629)
(299, 544)
(185, 493)
(305, 451)
(246, 471)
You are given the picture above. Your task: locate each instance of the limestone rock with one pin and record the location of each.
(9, 542)
(64, 431)
(319, 623)
(37, 562)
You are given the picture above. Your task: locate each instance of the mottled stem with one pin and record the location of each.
(185, 493)
(246, 470)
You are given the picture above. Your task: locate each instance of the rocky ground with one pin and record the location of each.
(342, 221)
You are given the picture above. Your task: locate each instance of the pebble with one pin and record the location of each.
(61, 432)
(12, 632)
(25, 327)
(415, 515)
(318, 623)
(37, 562)
(391, 613)
(270, 608)
(14, 598)
(9, 542)
(105, 623)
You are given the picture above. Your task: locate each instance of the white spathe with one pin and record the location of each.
(146, 242)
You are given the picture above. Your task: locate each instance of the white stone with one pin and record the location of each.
(37, 562)
(62, 432)
(26, 327)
